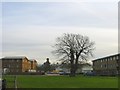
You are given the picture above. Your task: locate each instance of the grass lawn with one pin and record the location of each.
(36, 81)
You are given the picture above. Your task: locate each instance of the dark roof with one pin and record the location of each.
(106, 57)
(32, 60)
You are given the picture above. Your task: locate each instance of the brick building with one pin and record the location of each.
(33, 64)
(17, 64)
(108, 65)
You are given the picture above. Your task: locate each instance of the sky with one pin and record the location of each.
(30, 28)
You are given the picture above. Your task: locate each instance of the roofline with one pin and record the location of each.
(14, 57)
(106, 57)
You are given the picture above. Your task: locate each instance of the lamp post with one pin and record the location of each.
(15, 82)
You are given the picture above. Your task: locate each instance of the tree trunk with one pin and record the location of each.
(72, 70)
(76, 65)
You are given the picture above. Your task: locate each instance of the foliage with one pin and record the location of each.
(47, 66)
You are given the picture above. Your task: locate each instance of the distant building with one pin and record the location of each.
(86, 68)
(0, 68)
(82, 68)
(108, 65)
(66, 70)
(33, 65)
(17, 64)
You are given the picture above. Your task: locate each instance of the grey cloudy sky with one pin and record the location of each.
(30, 28)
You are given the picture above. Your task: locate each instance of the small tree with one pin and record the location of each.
(46, 66)
(72, 48)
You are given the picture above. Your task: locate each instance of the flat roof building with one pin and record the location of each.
(108, 65)
(17, 64)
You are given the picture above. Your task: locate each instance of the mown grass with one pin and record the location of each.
(36, 81)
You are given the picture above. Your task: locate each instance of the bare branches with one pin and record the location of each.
(73, 47)
(80, 45)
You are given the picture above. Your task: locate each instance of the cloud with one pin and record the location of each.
(60, 14)
(60, 0)
(30, 29)
(37, 42)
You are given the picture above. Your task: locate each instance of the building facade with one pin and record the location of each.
(107, 65)
(33, 65)
(17, 64)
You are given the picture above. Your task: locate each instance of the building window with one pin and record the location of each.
(111, 58)
(106, 59)
(17, 60)
(116, 57)
(9, 66)
(111, 66)
(105, 66)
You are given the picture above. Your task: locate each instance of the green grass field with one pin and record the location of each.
(36, 81)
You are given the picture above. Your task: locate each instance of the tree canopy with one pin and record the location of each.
(72, 48)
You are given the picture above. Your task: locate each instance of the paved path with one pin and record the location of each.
(52, 74)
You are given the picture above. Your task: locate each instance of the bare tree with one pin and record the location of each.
(72, 48)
